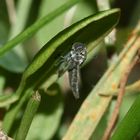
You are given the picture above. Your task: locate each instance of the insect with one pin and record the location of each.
(71, 62)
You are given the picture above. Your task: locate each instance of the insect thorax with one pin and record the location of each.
(77, 55)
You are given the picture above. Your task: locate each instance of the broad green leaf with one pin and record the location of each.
(77, 12)
(48, 117)
(89, 30)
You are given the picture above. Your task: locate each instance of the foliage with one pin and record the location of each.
(41, 32)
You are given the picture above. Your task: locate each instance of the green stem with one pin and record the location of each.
(130, 125)
(6, 100)
(14, 109)
(36, 26)
(29, 114)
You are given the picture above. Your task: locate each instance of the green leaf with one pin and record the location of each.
(84, 9)
(36, 26)
(28, 116)
(4, 23)
(48, 117)
(92, 29)
(57, 24)
(77, 12)
(129, 127)
(11, 114)
(89, 30)
(16, 60)
(11, 61)
(2, 83)
(22, 11)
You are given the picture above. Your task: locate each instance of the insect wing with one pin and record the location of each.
(64, 66)
(62, 69)
(74, 76)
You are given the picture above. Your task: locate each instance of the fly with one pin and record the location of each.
(71, 62)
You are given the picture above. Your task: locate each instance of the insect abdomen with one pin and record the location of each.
(73, 79)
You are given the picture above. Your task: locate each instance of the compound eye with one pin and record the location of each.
(78, 46)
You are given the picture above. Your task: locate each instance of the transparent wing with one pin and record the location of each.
(64, 65)
(62, 68)
(74, 76)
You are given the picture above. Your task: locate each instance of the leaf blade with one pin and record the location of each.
(50, 52)
(35, 27)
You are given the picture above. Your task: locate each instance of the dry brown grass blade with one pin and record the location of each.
(112, 121)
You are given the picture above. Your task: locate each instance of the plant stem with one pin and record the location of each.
(6, 100)
(29, 114)
(133, 88)
(11, 114)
